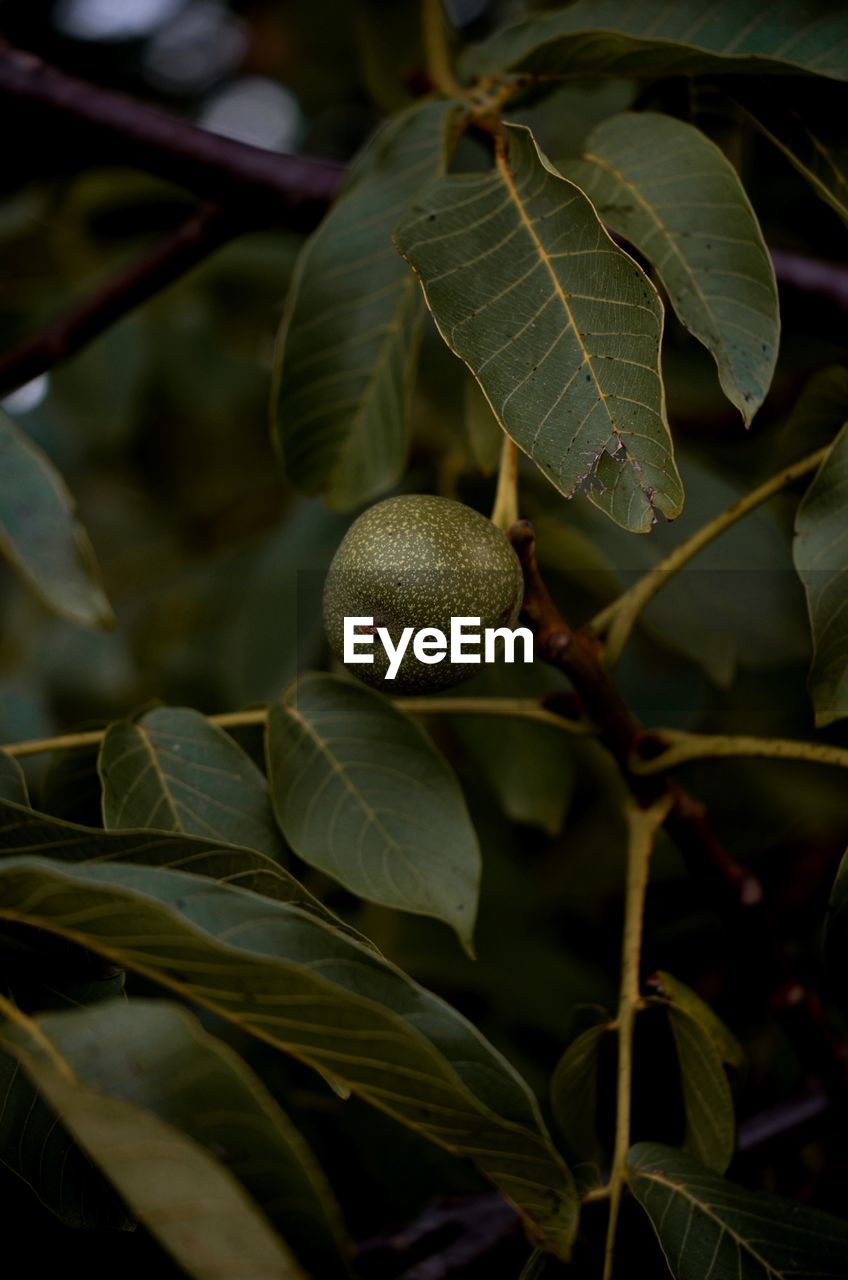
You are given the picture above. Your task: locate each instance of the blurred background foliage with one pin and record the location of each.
(213, 566)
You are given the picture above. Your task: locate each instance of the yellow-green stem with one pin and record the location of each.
(642, 826)
(510, 708)
(505, 510)
(618, 619)
(698, 746)
(437, 49)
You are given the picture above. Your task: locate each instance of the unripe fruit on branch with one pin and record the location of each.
(418, 561)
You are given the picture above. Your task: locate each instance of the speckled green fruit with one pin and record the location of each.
(418, 561)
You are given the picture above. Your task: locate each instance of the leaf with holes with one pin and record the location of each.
(361, 792)
(671, 192)
(172, 770)
(821, 558)
(157, 1057)
(346, 351)
(303, 986)
(559, 326)
(186, 1197)
(708, 1227)
(40, 535)
(661, 38)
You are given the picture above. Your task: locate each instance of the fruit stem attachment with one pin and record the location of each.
(437, 49)
(642, 827)
(505, 510)
(618, 619)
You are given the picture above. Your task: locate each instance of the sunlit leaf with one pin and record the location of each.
(708, 1227)
(821, 558)
(157, 1057)
(560, 327)
(672, 193)
(660, 38)
(309, 989)
(347, 345)
(361, 792)
(40, 535)
(187, 1198)
(172, 770)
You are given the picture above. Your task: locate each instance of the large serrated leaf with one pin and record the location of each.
(673, 37)
(710, 1229)
(672, 193)
(40, 535)
(310, 990)
(560, 327)
(157, 1057)
(172, 770)
(347, 344)
(821, 558)
(23, 831)
(361, 792)
(186, 1197)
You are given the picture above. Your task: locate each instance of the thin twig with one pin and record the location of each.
(505, 510)
(508, 708)
(642, 825)
(617, 620)
(196, 239)
(703, 746)
(437, 49)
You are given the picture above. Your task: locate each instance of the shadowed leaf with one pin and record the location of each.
(310, 990)
(361, 792)
(671, 192)
(660, 38)
(821, 558)
(172, 770)
(347, 344)
(185, 1197)
(157, 1057)
(40, 535)
(12, 781)
(708, 1227)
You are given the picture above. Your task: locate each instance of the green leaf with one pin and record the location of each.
(821, 558)
(40, 1150)
(708, 1102)
(574, 1089)
(672, 193)
(530, 768)
(183, 1195)
(23, 831)
(656, 38)
(40, 535)
(172, 770)
(807, 128)
(12, 781)
(361, 792)
(836, 931)
(484, 431)
(688, 1001)
(347, 346)
(559, 326)
(312, 991)
(709, 1228)
(157, 1057)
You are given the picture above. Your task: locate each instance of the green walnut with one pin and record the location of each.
(406, 571)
